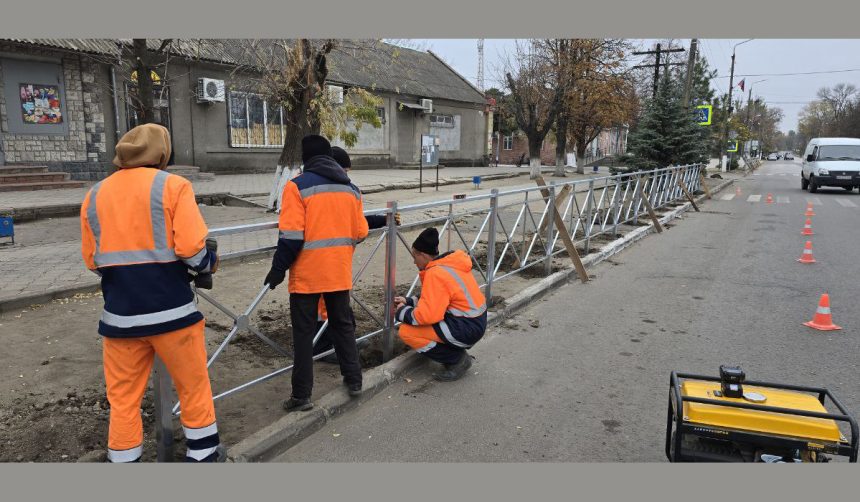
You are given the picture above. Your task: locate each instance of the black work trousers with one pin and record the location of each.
(303, 312)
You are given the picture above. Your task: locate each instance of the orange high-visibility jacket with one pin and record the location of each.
(142, 231)
(321, 221)
(451, 300)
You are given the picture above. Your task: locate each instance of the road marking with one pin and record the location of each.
(769, 174)
(815, 201)
(781, 199)
(845, 203)
(782, 174)
(754, 198)
(728, 196)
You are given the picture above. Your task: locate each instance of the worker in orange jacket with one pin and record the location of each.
(321, 221)
(373, 221)
(142, 232)
(450, 316)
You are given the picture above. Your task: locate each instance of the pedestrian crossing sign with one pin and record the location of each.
(703, 114)
(732, 145)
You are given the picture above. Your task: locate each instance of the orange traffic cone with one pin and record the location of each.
(770, 198)
(807, 257)
(822, 320)
(809, 211)
(807, 228)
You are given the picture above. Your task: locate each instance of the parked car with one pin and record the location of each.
(773, 156)
(789, 156)
(831, 162)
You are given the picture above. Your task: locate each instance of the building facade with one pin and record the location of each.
(64, 103)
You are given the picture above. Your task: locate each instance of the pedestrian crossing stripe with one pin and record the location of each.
(754, 198)
(728, 196)
(815, 201)
(845, 203)
(780, 199)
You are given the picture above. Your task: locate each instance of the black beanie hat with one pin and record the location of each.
(313, 145)
(428, 242)
(341, 157)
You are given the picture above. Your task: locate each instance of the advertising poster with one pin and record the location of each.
(40, 104)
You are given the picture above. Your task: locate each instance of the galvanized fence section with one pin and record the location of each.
(511, 231)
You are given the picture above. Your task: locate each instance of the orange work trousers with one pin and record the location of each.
(127, 365)
(419, 338)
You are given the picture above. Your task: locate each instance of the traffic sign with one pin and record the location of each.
(732, 146)
(703, 114)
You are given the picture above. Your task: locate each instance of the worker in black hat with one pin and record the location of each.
(450, 316)
(373, 221)
(321, 221)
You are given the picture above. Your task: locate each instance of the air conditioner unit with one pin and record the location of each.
(335, 93)
(210, 90)
(427, 104)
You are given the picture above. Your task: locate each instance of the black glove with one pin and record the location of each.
(274, 277)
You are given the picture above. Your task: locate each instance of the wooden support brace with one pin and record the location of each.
(559, 203)
(565, 236)
(687, 193)
(648, 207)
(704, 186)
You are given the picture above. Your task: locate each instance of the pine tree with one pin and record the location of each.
(667, 134)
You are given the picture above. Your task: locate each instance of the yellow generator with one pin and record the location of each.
(728, 419)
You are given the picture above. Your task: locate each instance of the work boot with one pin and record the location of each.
(454, 371)
(293, 404)
(354, 389)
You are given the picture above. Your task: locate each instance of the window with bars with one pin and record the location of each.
(441, 120)
(254, 123)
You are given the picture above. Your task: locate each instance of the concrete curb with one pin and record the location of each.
(287, 432)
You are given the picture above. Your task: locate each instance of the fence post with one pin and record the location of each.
(390, 281)
(491, 245)
(163, 400)
(550, 214)
(637, 200)
(589, 212)
(616, 208)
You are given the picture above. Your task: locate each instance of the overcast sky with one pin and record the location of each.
(759, 56)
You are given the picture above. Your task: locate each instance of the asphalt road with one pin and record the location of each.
(591, 382)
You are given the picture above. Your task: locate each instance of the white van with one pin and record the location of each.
(831, 162)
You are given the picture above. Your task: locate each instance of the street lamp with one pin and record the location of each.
(729, 114)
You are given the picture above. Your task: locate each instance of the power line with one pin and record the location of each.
(797, 73)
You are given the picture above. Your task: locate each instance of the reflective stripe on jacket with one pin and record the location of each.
(321, 221)
(141, 230)
(450, 301)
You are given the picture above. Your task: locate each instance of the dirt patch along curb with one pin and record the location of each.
(287, 432)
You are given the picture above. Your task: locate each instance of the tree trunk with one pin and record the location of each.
(580, 157)
(144, 104)
(535, 144)
(560, 147)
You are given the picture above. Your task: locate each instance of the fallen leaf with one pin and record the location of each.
(408, 380)
(518, 427)
(336, 435)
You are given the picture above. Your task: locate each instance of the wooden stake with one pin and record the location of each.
(559, 202)
(648, 207)
(565, 236)
(687, 193)
(704, 186)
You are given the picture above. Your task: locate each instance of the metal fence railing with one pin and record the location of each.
(505, 233)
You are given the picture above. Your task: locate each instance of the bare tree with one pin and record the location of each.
(535, 96)
(838, 98)
(598, 91)
(292, 74)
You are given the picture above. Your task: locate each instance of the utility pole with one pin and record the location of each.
(657, 51)
(691, 62)
(725, 147)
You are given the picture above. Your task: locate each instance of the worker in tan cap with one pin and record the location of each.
(142, 232)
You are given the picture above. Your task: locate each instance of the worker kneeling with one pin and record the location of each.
(450, 316)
